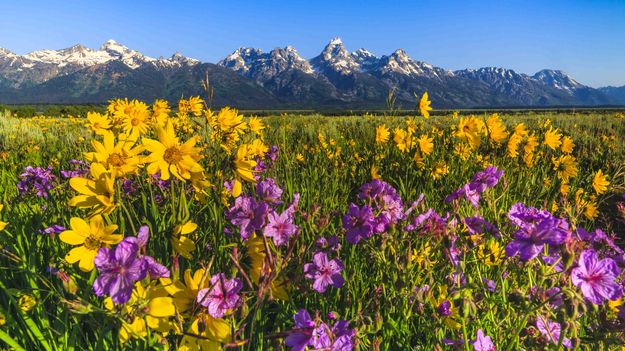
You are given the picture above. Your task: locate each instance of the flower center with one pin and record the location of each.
(135, 121)
(172, 155)
(116, 160)
(92, 243)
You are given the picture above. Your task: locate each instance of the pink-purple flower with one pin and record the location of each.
(552, 331)
(222, 296)
(324, 272)
(119, 269)
(359, 223)
(280, 227)
(537, 229)
(597, 278)
(319, 336)
(483, 342)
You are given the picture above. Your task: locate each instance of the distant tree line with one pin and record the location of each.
(52, 110)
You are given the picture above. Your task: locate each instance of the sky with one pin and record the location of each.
(586, 39)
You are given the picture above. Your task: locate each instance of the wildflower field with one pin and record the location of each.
(157, 227)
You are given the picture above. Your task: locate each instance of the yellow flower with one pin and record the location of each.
(244, 163)
(567, 145)
(135, 119)
(591, 211)
(150, 307)
(600, 183)
(382, 134)
(496, 129)
(214, 331)
(491, 253)
(211, 332)
(426, 144)
(552, 138)
(193, 105)
(182, 244)
(160, 111)
(299, 157)
(257, 254)
(256, 125)
(121, 157)
(513, 145)
(469, 129)
(27, 302)
(98, 123)
(402, 139)
(89, 238)
(520, 129)
(424, 105)
(169, 156)
(565, 188)
(440, 170)
(374, 172)
(2, 224)
(96, 193)
(565, 166)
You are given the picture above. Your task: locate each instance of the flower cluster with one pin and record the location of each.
(36, 180)
(318, 335)
(481, 182)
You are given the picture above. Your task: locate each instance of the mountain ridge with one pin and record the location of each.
(282, 78)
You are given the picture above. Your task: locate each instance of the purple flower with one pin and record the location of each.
(486, 179)
(489, 284)
(36, 181)
(248, 215)
(478, 225)
(537, 228)
(596, 278)
(444, 309)
(359, 223)
(280, 227)
(324, 272)
(299, 339)
(272, 153)
(385, 200)
(53, 229)
(222, 296)
(430, 223)
(483, 342)
(80, 169)
(268, 191)
(119, 269)
(552, 331)
(339, 337)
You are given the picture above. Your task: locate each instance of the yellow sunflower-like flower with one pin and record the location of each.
(565, 166)
(149, 307)
(381, 134)
(122, 157)
(600, 183)
(89, 238)
(424, 105)
(426, 144)
(96, 193)
(169, 156)
(98, 123)
(403, 140)
(135, 119)
(193, 105)
(160, 112)
(256, 125)
(496, 129)
(553, 138)
(257, 254)
(244, 163)
(469, 129)
(567, 145)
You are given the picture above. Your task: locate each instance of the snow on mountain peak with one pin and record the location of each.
(336, 41)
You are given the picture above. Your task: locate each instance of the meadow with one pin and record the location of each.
(157, 227)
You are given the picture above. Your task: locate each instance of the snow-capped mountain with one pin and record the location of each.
(42, 65)
(282, 78)
(336, 58)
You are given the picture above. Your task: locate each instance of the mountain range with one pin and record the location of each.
(282, 78)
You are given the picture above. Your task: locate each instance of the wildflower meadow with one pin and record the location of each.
(158, 227)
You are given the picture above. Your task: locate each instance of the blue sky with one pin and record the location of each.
(584, 38)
